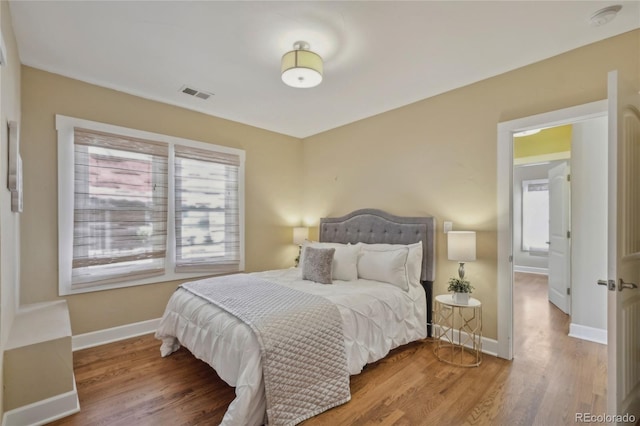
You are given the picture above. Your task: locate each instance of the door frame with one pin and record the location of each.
(505, 204)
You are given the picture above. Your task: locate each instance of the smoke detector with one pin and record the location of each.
(604, 16)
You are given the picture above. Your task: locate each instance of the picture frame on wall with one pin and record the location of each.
(14, 179)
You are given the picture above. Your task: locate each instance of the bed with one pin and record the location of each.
(377, 312)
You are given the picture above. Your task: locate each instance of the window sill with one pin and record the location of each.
(183, 277)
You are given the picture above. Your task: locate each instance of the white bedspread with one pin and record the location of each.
(377, 318)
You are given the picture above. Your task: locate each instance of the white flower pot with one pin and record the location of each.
(461, 298)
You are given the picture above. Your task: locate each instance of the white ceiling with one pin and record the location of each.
(378, 55)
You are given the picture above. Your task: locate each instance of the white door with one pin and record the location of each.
(559, 238)
(623, 315)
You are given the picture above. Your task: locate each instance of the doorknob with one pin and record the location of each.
(611, 284)
(622, 285)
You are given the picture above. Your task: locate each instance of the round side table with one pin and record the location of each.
(458, 331)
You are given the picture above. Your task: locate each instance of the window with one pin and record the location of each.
(120, 207)
(535, 215)
(206, 210)
(138, 208)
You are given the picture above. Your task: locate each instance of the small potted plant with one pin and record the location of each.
(461, 289)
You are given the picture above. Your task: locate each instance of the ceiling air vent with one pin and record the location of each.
(195, 92)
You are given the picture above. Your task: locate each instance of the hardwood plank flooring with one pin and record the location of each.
(551, 378)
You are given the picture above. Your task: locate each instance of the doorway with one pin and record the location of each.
(506, 130)
(542, 208)
(541, 245)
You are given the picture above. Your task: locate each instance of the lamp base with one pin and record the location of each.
(297, 261)
(461, 270)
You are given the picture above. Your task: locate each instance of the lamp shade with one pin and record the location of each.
(461, 246)
(300, 234)
(301, 67)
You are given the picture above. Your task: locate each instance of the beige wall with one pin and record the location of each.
(273, 190)
(438, 156)
(9, 221)
(37, 372)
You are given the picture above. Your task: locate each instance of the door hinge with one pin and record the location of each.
(510, 259)
(568, 291)
(568, 178)
(568, 234)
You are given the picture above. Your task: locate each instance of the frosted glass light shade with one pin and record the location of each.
(301, 69)
(300, 234)
(461, 246)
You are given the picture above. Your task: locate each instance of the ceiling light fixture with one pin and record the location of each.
(604, 16)
(301, 68)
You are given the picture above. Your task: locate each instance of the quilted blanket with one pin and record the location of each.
(301, 343)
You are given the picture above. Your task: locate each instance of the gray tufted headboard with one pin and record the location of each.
(375, 226)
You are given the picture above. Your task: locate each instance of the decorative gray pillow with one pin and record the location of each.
(316, 264)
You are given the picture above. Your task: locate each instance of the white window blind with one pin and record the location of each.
(535, 215)
(138, 208)
(120, 208)
(207, 210)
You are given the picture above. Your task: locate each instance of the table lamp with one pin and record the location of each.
(461, 247)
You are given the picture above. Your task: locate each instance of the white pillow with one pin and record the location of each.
(389, 266)
(345, 259)
(414, 261)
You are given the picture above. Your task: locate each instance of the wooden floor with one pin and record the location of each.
(552, 378)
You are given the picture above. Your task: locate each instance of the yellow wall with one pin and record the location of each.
(273, 190)
(546, 141)
(438, 156)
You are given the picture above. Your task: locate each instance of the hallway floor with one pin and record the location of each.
(570, 373)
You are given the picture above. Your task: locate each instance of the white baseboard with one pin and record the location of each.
(489, 346)
(109, 335)
(45, 411)
(50, 409)
(597, 335)
(531, 270)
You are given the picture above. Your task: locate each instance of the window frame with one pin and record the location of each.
(65, 141)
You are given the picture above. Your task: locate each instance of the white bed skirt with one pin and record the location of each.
(377, 317)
